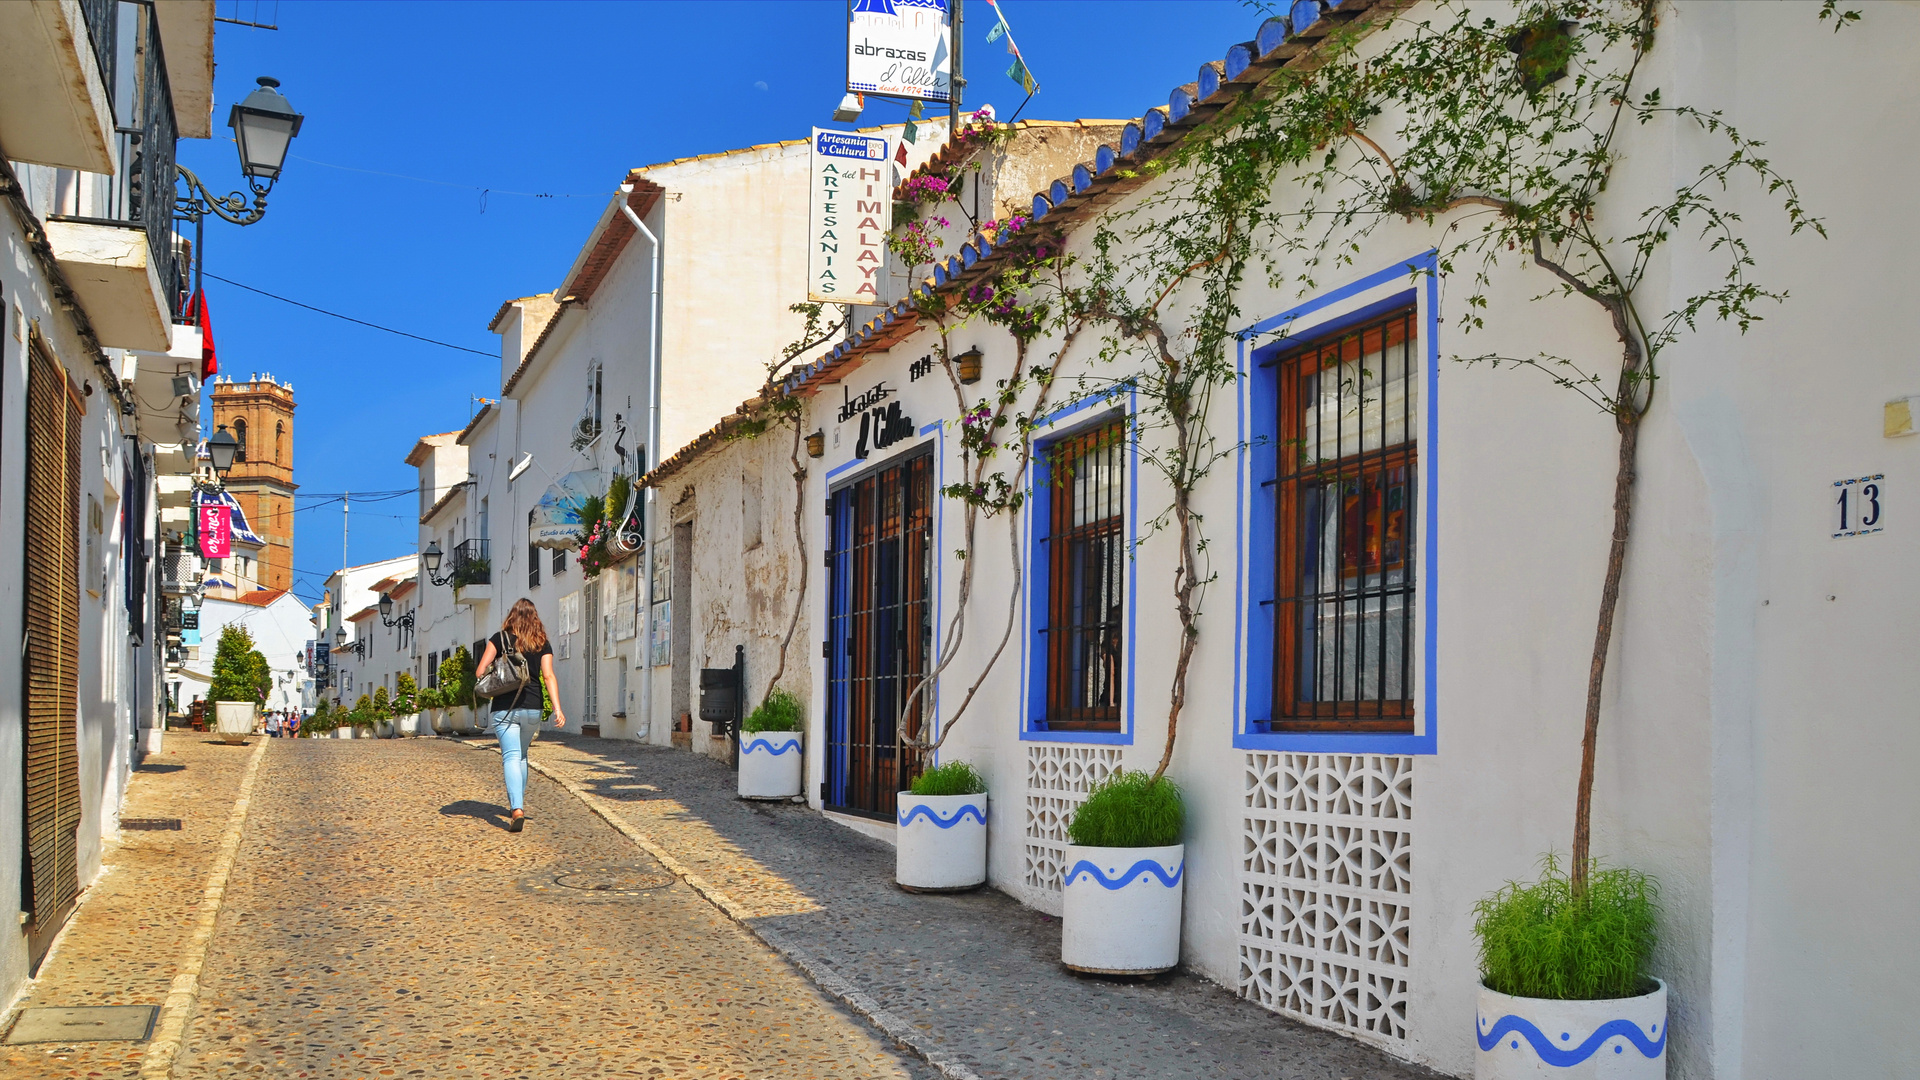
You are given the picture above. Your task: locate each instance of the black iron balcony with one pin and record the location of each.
(141, 194)
(471, 566)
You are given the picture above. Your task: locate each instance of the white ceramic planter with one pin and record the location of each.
(770, 764)
(437, 720)
(407, 724)
(233, 720)
(1120, 910)
(384, 729)
(1614, 1038)
(941, 842)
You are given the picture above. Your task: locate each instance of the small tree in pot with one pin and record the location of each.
(1125, 872)
(406, 705)
(240, 683)
(770, 756)
(941, 842)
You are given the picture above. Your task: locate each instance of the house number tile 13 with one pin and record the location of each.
(1858, 507)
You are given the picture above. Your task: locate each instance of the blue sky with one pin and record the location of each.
(490, 99)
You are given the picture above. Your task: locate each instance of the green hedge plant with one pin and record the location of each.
(1549, 939)
(950, 778)
(1131, 809)
(782, 711)
(406, 695)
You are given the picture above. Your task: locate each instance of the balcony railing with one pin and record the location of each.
(471, 565)
(179, 570)
(141, 194)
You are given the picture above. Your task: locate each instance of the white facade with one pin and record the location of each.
(1759, 693)
(351, 592)
(281, 630)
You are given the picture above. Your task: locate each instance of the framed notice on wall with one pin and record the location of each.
(660, 634)
(900, 48)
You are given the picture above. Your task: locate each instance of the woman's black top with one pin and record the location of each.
(528, 696)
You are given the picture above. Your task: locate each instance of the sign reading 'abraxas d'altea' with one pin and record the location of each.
(900, 48)
(847, 216)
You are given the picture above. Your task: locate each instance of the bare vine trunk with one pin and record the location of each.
(1628, 421)
(1186, 578)
(806, 564)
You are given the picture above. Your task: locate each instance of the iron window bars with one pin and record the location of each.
(1345, 572)
(879, 633)
(1086, 560)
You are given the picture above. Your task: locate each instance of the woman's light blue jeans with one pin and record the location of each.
(516, 729)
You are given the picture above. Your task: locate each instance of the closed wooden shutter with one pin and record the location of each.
(52, 652)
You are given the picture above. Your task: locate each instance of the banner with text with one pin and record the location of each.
(847, 214)
(216, 531)
(900, 48)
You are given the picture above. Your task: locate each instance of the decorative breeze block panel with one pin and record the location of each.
(1058, 780)
(1326, 889)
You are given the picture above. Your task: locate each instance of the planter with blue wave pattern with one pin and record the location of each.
(1611, 1038)
(1121, 909)
(770, 764)
(940, 842)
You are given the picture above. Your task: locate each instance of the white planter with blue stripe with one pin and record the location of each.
(1613, 1038)
(940, 842)
(769, 764)
(1120, 910)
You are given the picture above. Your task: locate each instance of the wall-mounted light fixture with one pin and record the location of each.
(432, 558)
(817, 444)
(386, 609)
(968, 365)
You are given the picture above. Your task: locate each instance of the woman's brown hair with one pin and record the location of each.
(523, 623)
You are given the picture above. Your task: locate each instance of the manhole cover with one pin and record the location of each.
(96, 1023)
(600, 882)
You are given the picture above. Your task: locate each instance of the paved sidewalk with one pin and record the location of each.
(124, 944)
(975, 979)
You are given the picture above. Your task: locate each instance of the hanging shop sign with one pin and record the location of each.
(847, 213)
(900, 48)
(216, 531)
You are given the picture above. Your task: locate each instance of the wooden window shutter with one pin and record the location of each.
(52, 649)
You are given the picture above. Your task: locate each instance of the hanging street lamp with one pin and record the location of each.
(222, 447)
(431, 557)
(263, 126)
(386, 609)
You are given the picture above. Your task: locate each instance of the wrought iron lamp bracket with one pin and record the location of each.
(232, 208)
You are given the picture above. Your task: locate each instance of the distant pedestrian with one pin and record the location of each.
(293, 725)
(273, 725)
(516, 712)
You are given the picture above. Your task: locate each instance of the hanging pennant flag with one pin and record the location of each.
(1018, 72)
(216, 531)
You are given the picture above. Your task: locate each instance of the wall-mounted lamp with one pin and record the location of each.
(817, 444)
(432, 558)
(968, 365)
(849, 108)
(386, 609)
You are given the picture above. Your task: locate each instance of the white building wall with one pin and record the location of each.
(280, 631)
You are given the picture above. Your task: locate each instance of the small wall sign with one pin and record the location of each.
(1858, 507)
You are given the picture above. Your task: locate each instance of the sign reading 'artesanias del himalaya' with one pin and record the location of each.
(847, 214)
(900, 48)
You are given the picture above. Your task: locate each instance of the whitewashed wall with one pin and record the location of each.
(1760, 702)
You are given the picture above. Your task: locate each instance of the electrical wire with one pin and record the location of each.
(452, 184)
(351, 319)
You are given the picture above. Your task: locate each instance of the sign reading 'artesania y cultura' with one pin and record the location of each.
(846, 217)
(900, 48)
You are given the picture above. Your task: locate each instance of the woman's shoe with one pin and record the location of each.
(519, 821)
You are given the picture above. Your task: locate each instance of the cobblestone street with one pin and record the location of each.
(381, 921)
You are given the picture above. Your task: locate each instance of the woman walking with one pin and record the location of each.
(516, 714)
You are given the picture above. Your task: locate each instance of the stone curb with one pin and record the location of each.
(171, 1030)
(821, 975)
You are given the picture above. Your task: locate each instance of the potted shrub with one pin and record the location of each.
(456, 685)
(1564, 989)
(428, 702)
(358, 717)
(941, 840)
(1125, 871)
(320, 723)
(240, 684)
(406, 705)
(770, 755)
(382, 713)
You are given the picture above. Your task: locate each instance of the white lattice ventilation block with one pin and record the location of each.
(1326, 889)
(1058, 780)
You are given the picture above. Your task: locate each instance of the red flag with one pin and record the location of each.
(209, 363)
(216, 531)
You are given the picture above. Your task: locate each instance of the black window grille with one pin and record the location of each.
(533, 566)
(879, 633)
(559, 561)
(1345, 573)
(1086, 563)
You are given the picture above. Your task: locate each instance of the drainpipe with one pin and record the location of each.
(645, 635)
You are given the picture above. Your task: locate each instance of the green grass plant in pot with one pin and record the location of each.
(770, 756)
(941, 830)
(1125, 871)
(1564, 988)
